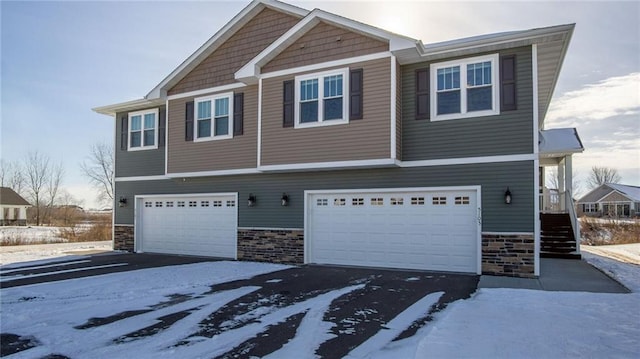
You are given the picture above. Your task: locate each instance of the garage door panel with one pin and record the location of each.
(406, 229)
(200, 225)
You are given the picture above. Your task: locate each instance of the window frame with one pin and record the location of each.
(142, 113)
(464, 87)
(320, 76)
(212, 99)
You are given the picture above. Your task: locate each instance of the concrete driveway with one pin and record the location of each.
(361, 303)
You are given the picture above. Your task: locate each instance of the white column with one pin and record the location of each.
(23, 213)
(561, 184)
(12, 214)
(568, 174)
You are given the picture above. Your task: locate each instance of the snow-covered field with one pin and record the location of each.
(49, 252)
(493, 323)
(35, 234)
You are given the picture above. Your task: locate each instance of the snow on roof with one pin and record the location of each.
(560, 141)
(633, 192)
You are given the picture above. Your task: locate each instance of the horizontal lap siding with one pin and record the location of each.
(219, 68)
(508, 133)
(320, 45)
(237, 152)
(268, 188)
(137, 163)
(367, 138)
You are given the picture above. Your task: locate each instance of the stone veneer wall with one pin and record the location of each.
(123, 238)
(508, 254)
(271, 245)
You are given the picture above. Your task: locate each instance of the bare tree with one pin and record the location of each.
(602, 175)
(42, 181)
(99, 170)
(12, 176)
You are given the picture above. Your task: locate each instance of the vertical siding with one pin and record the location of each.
(358, 140)
(137, 163)
(320, 44)
(510, 132)
(494, 178)
(237, 152)
(218, 68)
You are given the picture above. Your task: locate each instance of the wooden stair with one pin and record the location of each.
(556, 236)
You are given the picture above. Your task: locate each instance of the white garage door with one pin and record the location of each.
(203, 225)
(427, 229)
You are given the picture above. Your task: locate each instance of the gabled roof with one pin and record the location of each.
(219, 38)
(10, 197)
(252, 68)
(559, 142)
(633, 192)
(598, 193)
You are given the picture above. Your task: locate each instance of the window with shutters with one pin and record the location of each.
(465, 88)
(213, 117)
(143, 130)
(320, 99)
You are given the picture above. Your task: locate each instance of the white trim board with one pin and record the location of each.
(208, 91)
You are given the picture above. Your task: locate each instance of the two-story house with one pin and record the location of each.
(305, 137)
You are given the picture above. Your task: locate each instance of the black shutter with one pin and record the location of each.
(124, 132)
(508, 83)
(288, 105)
(188, 121)
(162, 125)
(238, 113)
(423, 111)
(355, 94)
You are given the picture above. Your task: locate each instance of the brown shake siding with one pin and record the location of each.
(368, 138)
(219, 68)
(235, 153)
(321, 44)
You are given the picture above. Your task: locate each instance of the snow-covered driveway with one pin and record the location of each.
(225, 310)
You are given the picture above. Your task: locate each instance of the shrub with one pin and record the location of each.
(600, 231)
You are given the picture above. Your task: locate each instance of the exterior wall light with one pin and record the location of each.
(252, 200)
(122, 202)
(284, 201)
(507, 196)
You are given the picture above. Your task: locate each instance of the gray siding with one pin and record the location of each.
(268, 188)
(137, 163)
(510, 132)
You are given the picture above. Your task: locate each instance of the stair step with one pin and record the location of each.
(560, 255)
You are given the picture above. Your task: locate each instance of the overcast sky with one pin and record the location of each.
(60, 59)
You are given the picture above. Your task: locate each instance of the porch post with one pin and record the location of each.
(568, 175)
(561, 182)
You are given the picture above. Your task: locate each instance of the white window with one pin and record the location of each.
(213, 117)
(465, 88)
(590, 207)
(321, 99)
(143, 134)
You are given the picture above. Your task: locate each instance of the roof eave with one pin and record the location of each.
(140, 104)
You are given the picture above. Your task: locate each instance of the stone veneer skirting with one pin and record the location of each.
(508, 254)
(123, 238)
(271, 245)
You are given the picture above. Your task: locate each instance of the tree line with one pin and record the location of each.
(39, 180)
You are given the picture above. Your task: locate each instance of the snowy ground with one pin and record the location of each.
(54, 251)
(493, 323)
(35, 234)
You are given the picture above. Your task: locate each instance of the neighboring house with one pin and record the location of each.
(305, 137)
(611, 200)
(13, 207)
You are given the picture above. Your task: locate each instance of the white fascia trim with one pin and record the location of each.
(240, 171)
(141, 178)
(222, 34)
(536, 164)
(394, 190)
(210, 90)
(166, 137)
(269, 229)
(128, 106)
(259, 154)
(508, 233)
(253, 67)
(392, 115)
(188, 195)
(325, 65)
(384, 162)
(468, 160)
